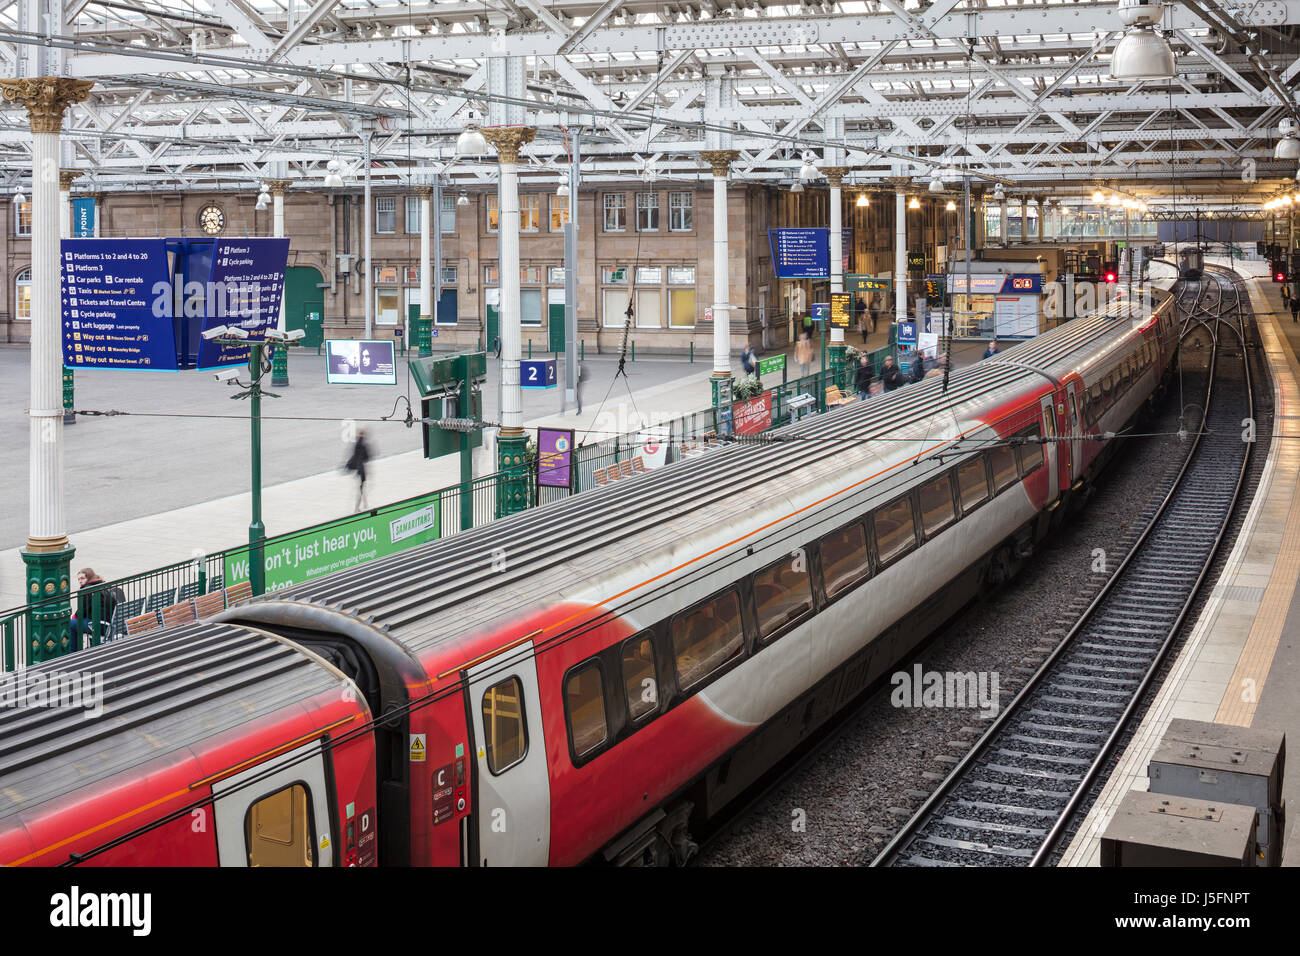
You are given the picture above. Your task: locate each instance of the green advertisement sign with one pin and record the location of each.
(774, 365)
(295, 558)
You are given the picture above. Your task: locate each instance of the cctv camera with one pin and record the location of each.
(235, 332)
(227, 375)
(214, 332)
(296, 335)
(275, 335)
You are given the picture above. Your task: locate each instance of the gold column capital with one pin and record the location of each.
(900, 183)
(46, 98)
(835, 174)
(720, 159)
(66, 176)
(508, 140)
(277, 186)
(424, 192)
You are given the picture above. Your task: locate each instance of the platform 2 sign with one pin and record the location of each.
(302, 556)
(112, 315)
(537, 373)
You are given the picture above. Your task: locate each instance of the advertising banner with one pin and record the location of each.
(360, 362)
(293, 558)
(555, 457)
(83, 217)
(654, 447)
(116, 304)
(754, 416)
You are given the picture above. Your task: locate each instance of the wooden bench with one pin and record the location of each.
(182, 613)
(208, 604)
(835, 397)
(145, 622)
(238, 592)
(619, 470)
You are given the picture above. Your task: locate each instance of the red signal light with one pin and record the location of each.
(1111, 277)
(1279, 277)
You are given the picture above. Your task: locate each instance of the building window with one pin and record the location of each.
(614, 314)
(385, 215)
(450, 276)
(413, 206)
(388, 307)
(385, 275)
(584, 702)
(681, 308)
(647, 212)
(530, 275)
(559, 212)
(23, 296)
(448, 214)
(615, 212)
(23, 218)
(489, 275)
(649, 275)
(613, 275)
(492, 213)
(681, 275)
(503, 725)
(555, 275)
(412, 275)
(530, 212)
(278, 830)
(681, 214)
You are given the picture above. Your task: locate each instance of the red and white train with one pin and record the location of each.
(591, 680)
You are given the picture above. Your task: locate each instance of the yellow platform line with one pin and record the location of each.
(1247, 683)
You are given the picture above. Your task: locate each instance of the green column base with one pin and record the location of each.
(424, 336)
(512, 464)
(279, 366)
(836, 361)
(48, 578)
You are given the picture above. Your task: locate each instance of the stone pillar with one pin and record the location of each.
(66, 177)
(720, 160)
(280, 351)
(513, 493)
(900, 248)
(424, 325)
(1004, 225)
(835, 177)
(48, 554)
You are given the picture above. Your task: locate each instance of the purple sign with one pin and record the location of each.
(244, 289)
(554, 457)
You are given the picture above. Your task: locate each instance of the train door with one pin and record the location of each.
(1050, 449)
(276, 813)
(1076, 429)
(513, 799)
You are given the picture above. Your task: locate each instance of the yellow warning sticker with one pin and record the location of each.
(418, 749)
(325, 842)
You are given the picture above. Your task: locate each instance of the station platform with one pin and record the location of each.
(144, 492)
(1240, 664)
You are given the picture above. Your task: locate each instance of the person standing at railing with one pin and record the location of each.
(862, 378)
(95, 607)
(891, 376)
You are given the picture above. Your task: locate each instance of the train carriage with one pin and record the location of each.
(591, 680)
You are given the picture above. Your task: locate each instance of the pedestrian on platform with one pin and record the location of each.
(1295, 309)
(992, 350)
(807, 325)
(357, 464)
(891, 376)
(862, 318)
(803, 354)
(875, 313)
(89, 618)
(862, 378)
(749, 360)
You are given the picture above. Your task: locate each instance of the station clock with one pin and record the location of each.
(211, 219)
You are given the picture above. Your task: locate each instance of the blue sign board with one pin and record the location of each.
(247, 280)
(800, 253)
(1031, 284)
(83, 217)
(821, 311)
(142, 303)
(537, 373)
(907, 333)
(115, 306)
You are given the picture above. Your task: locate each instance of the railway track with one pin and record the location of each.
(1009, 800)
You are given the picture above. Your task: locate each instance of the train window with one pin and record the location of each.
(1031, 454)
(895, 530)
(937, 511)
(783, 591)
(503, 725)
(278, 830)
(639, 679)
(844, 558)
(706, 638)
(973, 484)
(1003, 459)
(584, 702)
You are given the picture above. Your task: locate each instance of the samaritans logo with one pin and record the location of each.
(414, 523)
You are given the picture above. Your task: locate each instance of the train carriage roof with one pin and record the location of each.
(450, 587)
(163, 693)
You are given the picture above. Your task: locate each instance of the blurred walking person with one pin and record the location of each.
(357, 464)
